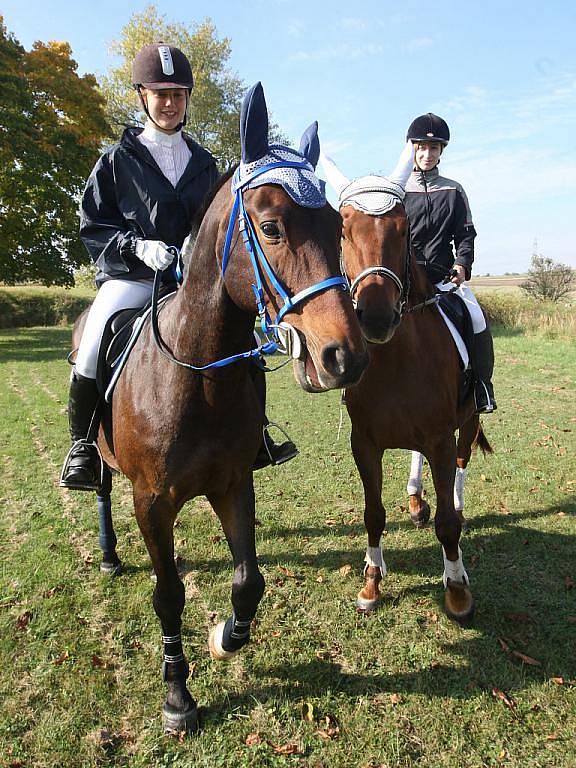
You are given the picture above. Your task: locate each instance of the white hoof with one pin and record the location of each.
(215, 644)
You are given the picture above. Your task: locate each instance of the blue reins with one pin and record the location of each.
(259, 264)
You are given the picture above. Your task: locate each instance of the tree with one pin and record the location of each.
(52, 123)
(549, 280)
(214, 113)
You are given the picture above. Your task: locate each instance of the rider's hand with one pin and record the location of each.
(460, 275)
(154, 253)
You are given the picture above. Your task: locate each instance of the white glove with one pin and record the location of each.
(154, 253)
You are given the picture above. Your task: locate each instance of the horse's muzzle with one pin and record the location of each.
(338, 367)
(378, 328)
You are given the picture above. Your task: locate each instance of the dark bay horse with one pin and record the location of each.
(409, 395)
(178, 432)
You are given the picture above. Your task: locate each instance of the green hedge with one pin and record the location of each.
(28, 306)
(522, 313)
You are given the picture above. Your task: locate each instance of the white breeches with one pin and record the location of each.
(111, 297)
(476, 314)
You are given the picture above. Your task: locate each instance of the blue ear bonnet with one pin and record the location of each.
(302, 184)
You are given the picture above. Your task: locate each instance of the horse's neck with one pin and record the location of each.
(204, 323)
(420, 286)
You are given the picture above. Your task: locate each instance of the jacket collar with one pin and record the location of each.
(199, 161)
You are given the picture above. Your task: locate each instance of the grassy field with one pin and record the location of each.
(320, 685)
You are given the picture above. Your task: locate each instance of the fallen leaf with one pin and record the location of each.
(345, 570)
(503, 697)
(100, 663)
(558, 680)
(23, 620)
(502, 755)
(395, 698)
(53, 590)
(503, 508)
(62, 658)
(571, 619)
(551, 737)
(320, 579)
(527, 659)
(286, 749)
(252, 739)
(569, 582)
(504, 645)
(287, 572)
(308, 711)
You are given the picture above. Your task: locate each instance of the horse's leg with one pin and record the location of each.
(368, 459)
(418, 508)
(155, 516)
(466, 436)
(458, 600)
(236, 511)
(107, 537)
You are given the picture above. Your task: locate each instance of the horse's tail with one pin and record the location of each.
(481, 441)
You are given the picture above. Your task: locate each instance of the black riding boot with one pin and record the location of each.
(82, 469)
(483, 366)
(270, 452)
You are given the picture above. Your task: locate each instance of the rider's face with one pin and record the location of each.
(166, 106)
(428, 154)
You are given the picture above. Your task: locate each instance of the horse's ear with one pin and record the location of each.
(310, 144)
(254, 125)
(334, 176)
(404, 166)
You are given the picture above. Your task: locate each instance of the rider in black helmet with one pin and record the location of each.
(442, 239)
(139, 200)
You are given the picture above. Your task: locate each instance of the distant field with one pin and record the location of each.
(498, 282)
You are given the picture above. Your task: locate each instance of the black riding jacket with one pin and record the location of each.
(439, 216)
(127, 197)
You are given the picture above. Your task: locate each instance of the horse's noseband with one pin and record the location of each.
(381, 272)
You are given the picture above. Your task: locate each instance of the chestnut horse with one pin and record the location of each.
(179, 430)
(409, 395)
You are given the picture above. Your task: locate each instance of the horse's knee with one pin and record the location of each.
(247, 590)
(169, 599)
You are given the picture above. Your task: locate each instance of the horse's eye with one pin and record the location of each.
(270, 230)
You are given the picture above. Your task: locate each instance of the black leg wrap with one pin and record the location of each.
(107, 536)
(174, 666)
(236, 633)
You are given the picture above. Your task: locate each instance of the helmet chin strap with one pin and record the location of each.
(149, 116)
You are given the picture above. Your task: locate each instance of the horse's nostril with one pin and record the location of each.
(336, 359)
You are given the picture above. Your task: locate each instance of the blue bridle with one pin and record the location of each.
(258, 258)
(259, 262)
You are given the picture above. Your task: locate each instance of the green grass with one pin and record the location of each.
(80, 653)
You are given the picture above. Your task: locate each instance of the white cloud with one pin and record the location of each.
(418, 44)
(351, 24)
(343, 51)
(295, 28)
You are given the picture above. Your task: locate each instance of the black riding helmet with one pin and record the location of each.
(428, 127)
(160, 66)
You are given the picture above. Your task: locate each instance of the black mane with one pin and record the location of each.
(198, 217)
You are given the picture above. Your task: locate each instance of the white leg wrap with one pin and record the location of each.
(454, 570)
(415, 480)
(459, 482)
(375, 558)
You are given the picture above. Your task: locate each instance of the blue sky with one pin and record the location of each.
(503, 75)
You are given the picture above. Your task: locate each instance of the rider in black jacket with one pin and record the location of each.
(442, 239)
(138, 202)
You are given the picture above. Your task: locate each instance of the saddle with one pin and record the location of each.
(455, 310)
(120, 334)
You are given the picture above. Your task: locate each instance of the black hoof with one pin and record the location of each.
(111, 568)
(175, 723)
